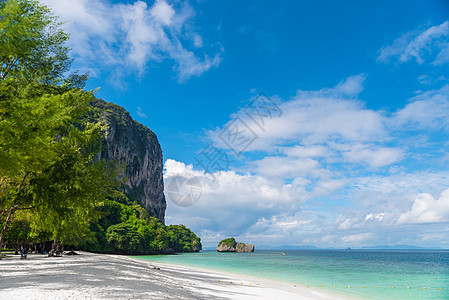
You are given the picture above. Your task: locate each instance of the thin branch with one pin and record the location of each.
(9, 68)
(23, 181)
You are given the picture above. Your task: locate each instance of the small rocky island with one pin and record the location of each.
(230, 245)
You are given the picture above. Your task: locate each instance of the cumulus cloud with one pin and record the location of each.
(378, 202)
(321, 168)
(313, 129)
(261, 210)
(418, 43)
(264, 211)
(427, 209)
(232, 203)
(312, 117)
(121, 38)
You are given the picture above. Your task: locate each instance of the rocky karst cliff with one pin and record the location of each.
(137, 148)
(230, 245)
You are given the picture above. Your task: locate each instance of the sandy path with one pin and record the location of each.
(94, 276)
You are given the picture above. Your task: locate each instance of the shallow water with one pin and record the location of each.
(408, 271)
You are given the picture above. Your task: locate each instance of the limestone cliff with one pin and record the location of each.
(230, 245)
(137, 148)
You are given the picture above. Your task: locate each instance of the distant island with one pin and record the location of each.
(230, 245)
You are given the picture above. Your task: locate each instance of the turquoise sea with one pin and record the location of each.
(371, 274)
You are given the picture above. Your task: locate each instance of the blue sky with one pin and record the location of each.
(356, 151)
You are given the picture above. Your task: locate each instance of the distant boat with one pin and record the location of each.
(349, 248)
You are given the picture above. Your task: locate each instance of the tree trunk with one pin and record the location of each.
(5, 227)
(54, 244)
(11, 211)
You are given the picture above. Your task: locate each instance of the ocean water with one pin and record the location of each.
(371, 274)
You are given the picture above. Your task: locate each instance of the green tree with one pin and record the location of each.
(182, 239)
(20, 230)
(32, 43)
(69, 191)
(33, 124)
(32, 52)
(41, 128)
(111, 213)
(124, 237)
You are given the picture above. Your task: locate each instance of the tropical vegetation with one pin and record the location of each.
(52, 187)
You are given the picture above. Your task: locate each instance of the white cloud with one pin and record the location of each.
(126, 38)
(162, 12)
(424, 79)
(198, 41)
(428, 110)
(234, 204)
(314, 117)
(265, 211)
(328, 172)
(356, 238)
(287, 167)
(280, 224)
(373, 216)
(373, 155)
(417, 44)
(443, 56)
(329, 155)
(347, 223)
(306, 151)
(377, 203)
(229, 200)
(427, 209)
(401, 183)
(314, 129)
(351, 86)
(140, 113)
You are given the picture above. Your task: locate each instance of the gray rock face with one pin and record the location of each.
(235, 247)
(137, 147)
(196, 248)
(241, 247)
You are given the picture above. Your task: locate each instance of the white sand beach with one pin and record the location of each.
(95, 276)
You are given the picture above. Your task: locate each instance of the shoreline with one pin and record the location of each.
(105, 276)
(275, 287)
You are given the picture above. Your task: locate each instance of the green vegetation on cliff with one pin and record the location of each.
(126, 227)
(228, 242)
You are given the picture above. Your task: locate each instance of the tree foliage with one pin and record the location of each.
(32, 43)
(228, 242)
(46, 148)
(128, 229)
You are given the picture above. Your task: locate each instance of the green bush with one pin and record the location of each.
(128, 229)
(228, 242)
(124, 238)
